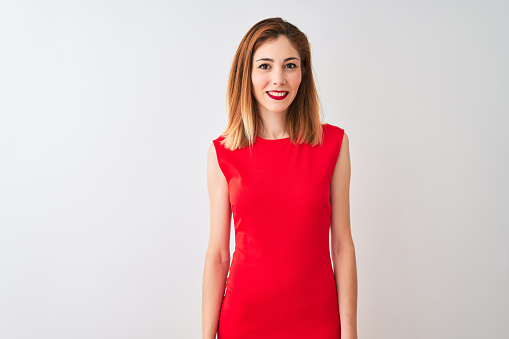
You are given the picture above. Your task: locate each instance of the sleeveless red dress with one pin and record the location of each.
(281, 282)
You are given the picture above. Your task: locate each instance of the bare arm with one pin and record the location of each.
(342, 247)
(217, 259)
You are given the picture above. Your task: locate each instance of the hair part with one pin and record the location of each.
(303, 118)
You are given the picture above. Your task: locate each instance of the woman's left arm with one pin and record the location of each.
(342, 247)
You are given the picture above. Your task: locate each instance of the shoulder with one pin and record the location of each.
(219, 157)
(218, 139)
(212, 149)
(333, 129)
(333, 133)
(212, 154)
(218, 142)
(215, 148)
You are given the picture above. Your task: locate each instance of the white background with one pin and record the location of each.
(107, 109)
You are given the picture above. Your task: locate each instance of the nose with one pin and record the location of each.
(278, 77)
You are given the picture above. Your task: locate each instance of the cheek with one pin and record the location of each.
(295, 79)
(258, 82)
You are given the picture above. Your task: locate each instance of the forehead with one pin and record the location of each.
(279, 48)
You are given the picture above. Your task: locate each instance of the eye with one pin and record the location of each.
(261, 66)
(292, 65)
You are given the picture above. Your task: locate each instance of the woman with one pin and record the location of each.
(285, 177)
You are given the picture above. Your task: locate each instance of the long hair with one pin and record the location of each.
(303, 118)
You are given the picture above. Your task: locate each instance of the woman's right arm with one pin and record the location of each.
(217, 259)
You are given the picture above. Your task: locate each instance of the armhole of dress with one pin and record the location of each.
(338, 145)
(219, 156)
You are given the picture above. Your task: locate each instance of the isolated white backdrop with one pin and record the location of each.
(107, 109)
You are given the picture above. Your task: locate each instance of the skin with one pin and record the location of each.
(342, 246)
(217, 258)
(278, 74)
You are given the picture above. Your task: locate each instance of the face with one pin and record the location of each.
(276, 75)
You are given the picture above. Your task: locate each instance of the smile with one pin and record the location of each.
(277, 95)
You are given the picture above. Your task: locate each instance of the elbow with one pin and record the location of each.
(219, 257)
(342, 247)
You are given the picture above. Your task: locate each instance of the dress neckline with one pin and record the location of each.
(272, 141)
(283, 140)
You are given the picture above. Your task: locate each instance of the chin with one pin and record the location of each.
(277, 109)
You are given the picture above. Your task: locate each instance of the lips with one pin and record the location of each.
(278, 97)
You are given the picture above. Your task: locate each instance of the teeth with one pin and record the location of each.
(278, 94)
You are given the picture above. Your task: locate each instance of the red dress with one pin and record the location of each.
(281, 282)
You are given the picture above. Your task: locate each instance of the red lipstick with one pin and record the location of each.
(278, 97)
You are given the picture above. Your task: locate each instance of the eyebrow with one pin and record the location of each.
(269, 59)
